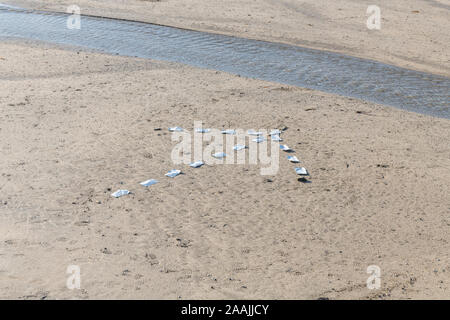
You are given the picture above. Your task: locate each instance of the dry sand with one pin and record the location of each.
(414, 33)
(76, 126)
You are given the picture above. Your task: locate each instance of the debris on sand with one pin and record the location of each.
(293, 159)
(120, 193)
(285, 148)
(176, 129)
(219, 155)
(254, 133)
(173, 173)
(201, 130)
(197, 164)
(229, 131)
(275, 132)
(239, 147)
(259, 139)
(149, 183)
(301, 171)
(276, 137)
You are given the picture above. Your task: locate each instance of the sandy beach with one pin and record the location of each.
(78, 125)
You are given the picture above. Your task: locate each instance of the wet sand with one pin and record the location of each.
(76, 126)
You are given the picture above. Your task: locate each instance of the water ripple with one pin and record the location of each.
(293, 65)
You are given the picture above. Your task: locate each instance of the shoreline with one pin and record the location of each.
(402, 88)
(133, 15)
